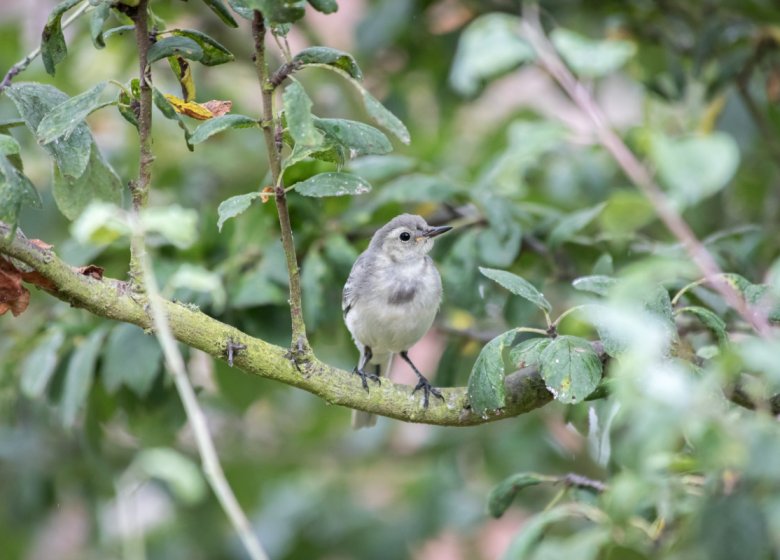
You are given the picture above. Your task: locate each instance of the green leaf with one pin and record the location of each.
(53, 47)
(324, 6)
(34, 101)
(99, 224)
(518, 286)
(357, 138)
(219, 8)
(385, 118)
(233, 206)
(175, 46)
(40, 364)
(499, 244)
(695, 168)
(502, 496)
(710, 320)
(131, 358)
(488, 47)
(313, 273)
(528, 354)
(573, 224)
(416, 187)
(733, 526)
(119, 30)
(571, 369)
(97, 20)
(300, 121)
(275, 11)
(16, 191)
(190, 278)
(98, 182)
(214, 52)
(532, 531)
(242, 8)
(333, 184)
(8, 145)
(330, 57)
(486, 392)
(182, 476)
(220, 124)
(377, 169)
(66, 117)
(596, 284)
(79, 376)
(589, 58)
(170, 225)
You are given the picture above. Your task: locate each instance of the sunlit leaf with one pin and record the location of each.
(571, 369)
(488, 47)
(67, 116)
(589, 58)
(333, 184)
(100, 223)
(518, 286)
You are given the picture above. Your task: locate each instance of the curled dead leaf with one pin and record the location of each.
(218, 107)
(91, 270)
(266, 194)
(13, 295)
(189, 108)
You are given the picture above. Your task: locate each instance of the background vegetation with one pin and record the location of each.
(98, 460)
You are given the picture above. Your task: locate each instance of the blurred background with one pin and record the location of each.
(496, 149)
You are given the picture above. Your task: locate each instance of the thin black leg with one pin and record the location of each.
(423, 383)
(360, 369)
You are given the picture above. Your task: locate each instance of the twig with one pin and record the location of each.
(197, 419)
(300, 344)
(636, 171)
(22, 65)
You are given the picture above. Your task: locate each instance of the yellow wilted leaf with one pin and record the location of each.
(189, 108)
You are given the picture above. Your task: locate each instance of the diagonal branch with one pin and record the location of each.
(639, 174)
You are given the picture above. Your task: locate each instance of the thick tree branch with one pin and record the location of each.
(113, 299)
(300, 344)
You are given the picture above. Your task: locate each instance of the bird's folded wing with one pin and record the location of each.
(349, 296)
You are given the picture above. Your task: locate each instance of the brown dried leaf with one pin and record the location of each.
(266, 194)
(13, 295)
(91, 270)
(41, 244)
(218, 107)
(36, 278)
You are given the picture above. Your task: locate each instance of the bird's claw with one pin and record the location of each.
(428, 390)
(365, 376)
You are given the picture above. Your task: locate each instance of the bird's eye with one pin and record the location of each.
(405, 236)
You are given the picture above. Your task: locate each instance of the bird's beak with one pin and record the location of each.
(434, 232)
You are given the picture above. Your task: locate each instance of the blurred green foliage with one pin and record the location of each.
(89, 424)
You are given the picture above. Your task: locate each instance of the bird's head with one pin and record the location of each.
(406, 237)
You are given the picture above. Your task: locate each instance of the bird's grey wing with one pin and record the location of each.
(349, 296)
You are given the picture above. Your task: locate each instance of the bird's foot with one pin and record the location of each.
(364, 377)
(299, 354)
(428, 390)
(232, 349)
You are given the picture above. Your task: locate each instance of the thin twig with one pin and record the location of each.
(635, 170)
(300, 344)
(197, 419)
(22, 65)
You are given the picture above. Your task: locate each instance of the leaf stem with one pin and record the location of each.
(532, 330)
(22, 65)
(270, 127)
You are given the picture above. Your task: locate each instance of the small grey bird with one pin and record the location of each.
(390, 300)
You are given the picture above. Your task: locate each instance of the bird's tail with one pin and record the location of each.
(361, 419)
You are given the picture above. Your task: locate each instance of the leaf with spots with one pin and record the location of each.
(571, 369)
(333, 184)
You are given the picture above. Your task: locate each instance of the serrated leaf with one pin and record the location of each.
(40, 364)
(597, 284)
(528, 353)
(131, 358)
(175, 46)
(572, 224)
(710, 320)
(220, 124)
(66, 117)
(313, 273)
(695, 168)
(34, 101)
(98, 182)
(518, 286)
(97, 20)
(233, 206)
(488, 47)
(357, 138)
(214, 53)
(486, 392)
(53, 47)
(324, 6)
(589, 58)
(79, 376)
(502, 496)
(571, 369)
(300, 121)
(219, 8)
(330, 57)
(333, 184)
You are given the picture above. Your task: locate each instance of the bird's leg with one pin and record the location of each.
(360, 369)
(423, 383)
